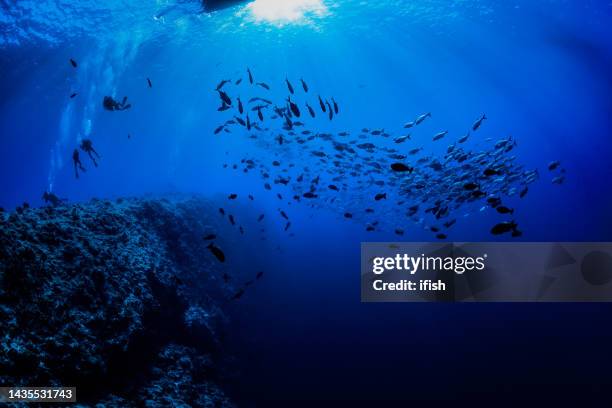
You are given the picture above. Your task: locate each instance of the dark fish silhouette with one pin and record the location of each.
(294, 108)
(505, 210)
(73, 63)
(250, 75)
(494, 201)
(503, 228)
(304, 85)
(478, 123)
(310, 110)
(491, 172)
(415, 151)
(289, 86)
(221, 84)
(226, 99)
(440, 135)
(401, 167)
(238, 294)
(558, 180)
(421, 118)
(322, 104)
(450, 223)
(331, 112)
(217, 252)
(380, 196)
(149, 83)
(336, 110)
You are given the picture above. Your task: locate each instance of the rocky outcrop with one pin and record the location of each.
(116, 298)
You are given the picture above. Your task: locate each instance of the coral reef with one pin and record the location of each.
(118, 298)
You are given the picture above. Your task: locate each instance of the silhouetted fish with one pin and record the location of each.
(321, 104)
(380, 196)
(226, 99)
(336, 110)
(503, 228)
(238, 294)
(289, 86)
(478, 123)
(310, 110)
(504, 210)
(401, 167)
(221, 84)
(217, 252)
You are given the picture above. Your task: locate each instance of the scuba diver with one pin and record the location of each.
(52, 199)
(112, 105)
(87, 147)
(77, 163)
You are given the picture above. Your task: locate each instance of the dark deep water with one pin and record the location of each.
(541, 71)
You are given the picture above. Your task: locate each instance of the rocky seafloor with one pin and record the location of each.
(118, 298)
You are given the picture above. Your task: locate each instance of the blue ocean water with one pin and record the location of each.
(540, 71)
